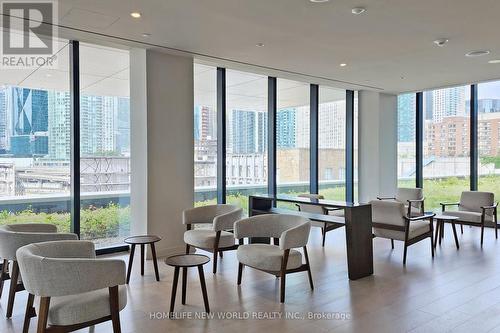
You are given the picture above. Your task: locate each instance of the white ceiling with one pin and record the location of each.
(389, 47)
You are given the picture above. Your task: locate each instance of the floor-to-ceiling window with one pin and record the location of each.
(292, 137)
(246, 136)
(489, 137)
(35, 146)
(331, 143)
(104, 144)
(446, 161)
(205, 135)
(407, 166)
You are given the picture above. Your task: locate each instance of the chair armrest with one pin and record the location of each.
(418, 218)
(445, 204)
(295, 237)
(415, 200)
(386, 198)
(62, 277)
(12, 242)
(485, 208)
(226, 221)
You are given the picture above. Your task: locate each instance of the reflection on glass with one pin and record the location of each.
(246, 136)
(407, 140)
(104, 144)
(446, 165)
(35, 143)
(331, 140)
(489, 137)
(205, 135)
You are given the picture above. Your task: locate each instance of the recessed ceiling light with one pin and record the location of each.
(135, 14)
(319, 1)
(495, 61)
(259, 44)
(343, 64)
(441, 42)
(358, 10)
(477, 53)
(146, 34)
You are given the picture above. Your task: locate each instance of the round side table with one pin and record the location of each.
(185, 261)
(440, 221)
(142, 241)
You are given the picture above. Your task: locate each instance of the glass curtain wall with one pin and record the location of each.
(246, 136)
(446, 161)
(205, 135)
(489, 137)
(407, 165)
(331, 143)
(35, 131)
(104, 144)
(292, 137)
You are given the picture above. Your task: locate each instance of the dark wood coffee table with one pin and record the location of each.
(142, 241)
(185, 261)
(440, 221)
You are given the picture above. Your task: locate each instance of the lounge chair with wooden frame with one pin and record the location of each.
(474, 209)
(290, 231)
(390, 220)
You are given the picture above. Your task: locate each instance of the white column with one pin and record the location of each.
(162, 146)
(377, 154)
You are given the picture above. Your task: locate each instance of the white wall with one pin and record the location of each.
(138, 142)
(377, 154)
(162, 146)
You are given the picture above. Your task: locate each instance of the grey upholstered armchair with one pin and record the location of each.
(390, 220)
(279, 260)
(325, 226)
(14, 236)
(217, 239)
(475, 209)
(412, 198)
(76, 290)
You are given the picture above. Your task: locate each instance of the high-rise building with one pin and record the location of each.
(59, 125)
(488, 105)
(406, 117)
(4, 128)
(448, 102)
(286, 128)
(29, 112)
(331, 124)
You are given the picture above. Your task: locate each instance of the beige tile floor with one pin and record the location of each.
(458, 291)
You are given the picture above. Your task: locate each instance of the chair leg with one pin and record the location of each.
(392, 243)
(404, 254)
(14, 277)
(308, 268)
(43, 314)
(29, 313)
(114, 309)
(462, 228)
(482, 234)
(324, 234)
(240, 272)
(215, 261)
(283, 275)
(221, 254)
(187, 249)
(3, 274)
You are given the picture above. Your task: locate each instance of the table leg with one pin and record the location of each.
(441, 231)
(203, 288)
(142, 259)
(184, 284)
(174, 289)
(130, 260)
(437, 233)
(455, 234)
(155, 263)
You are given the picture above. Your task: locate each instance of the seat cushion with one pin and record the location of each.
(267, 257)
(468, 216)
(80, 308)
(205, 239)
(417, 228)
